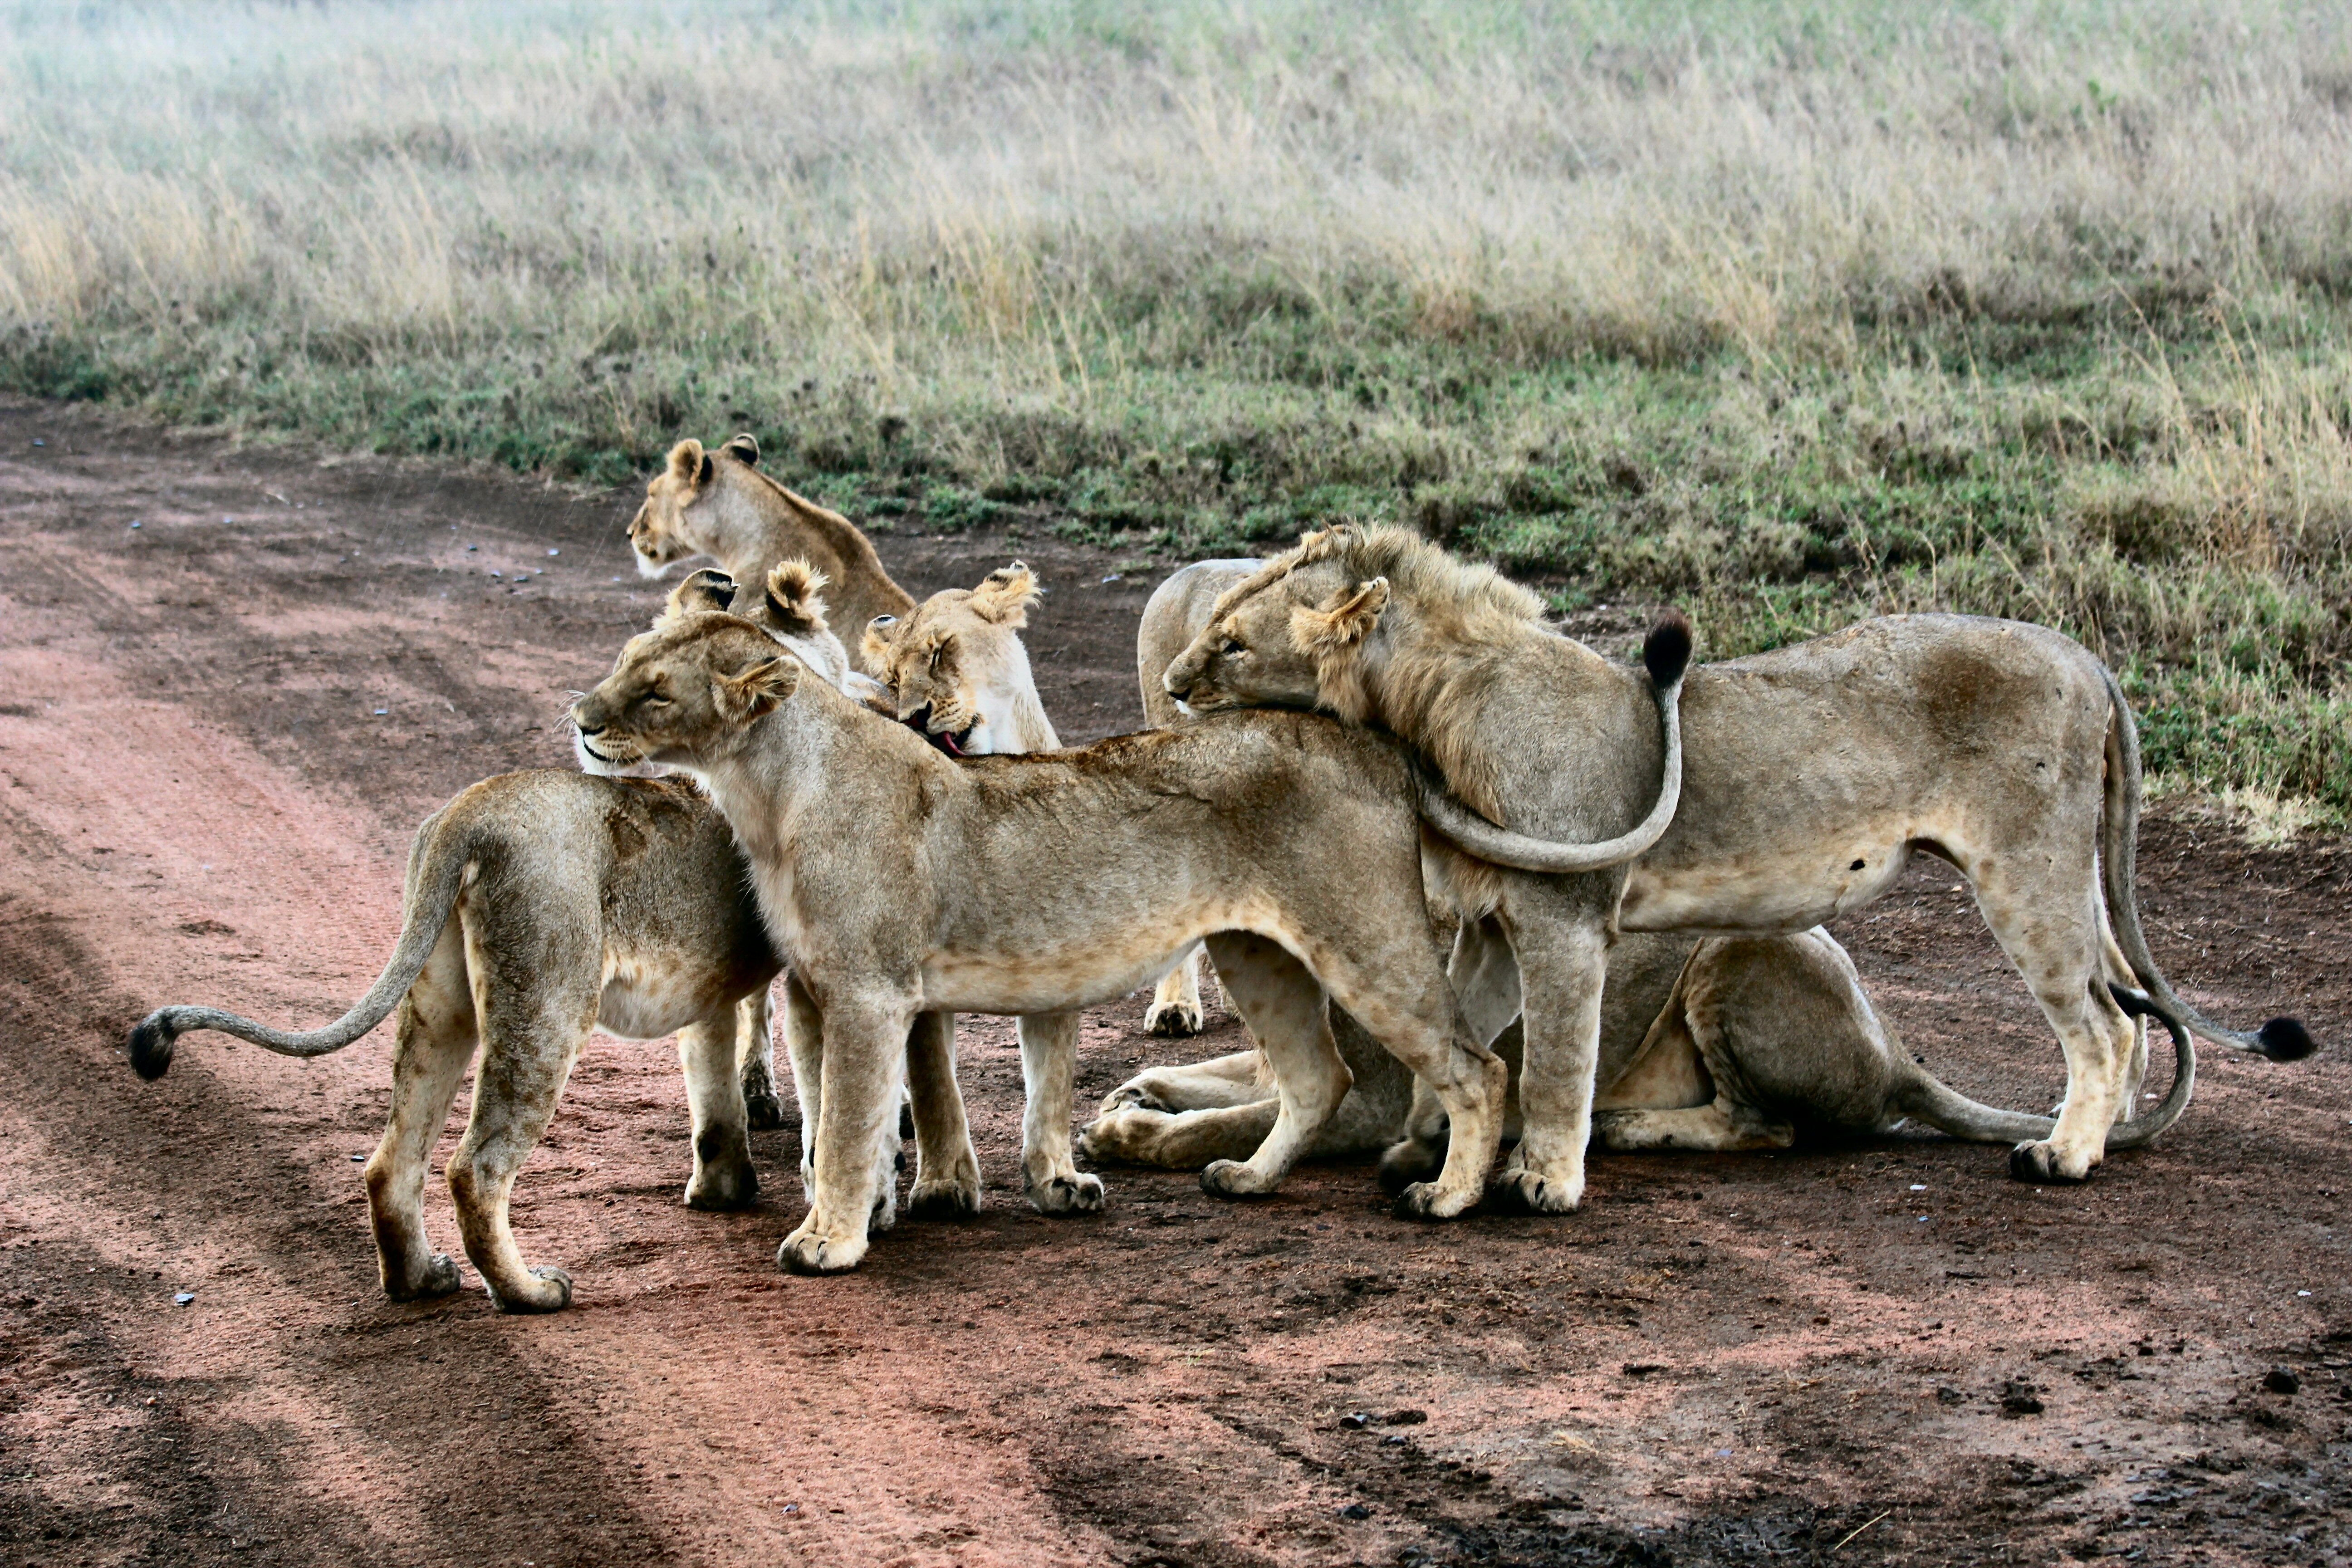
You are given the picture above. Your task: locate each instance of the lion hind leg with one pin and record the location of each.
(804, 1045)
(2059, 945)
(1181, 1140)
(1176, 1010)
(755, 1060)
(536, 1014)
(1284, 1007)
(1049, 1171)
(947, 1168)
(723, 1176)
(435, 1042)
(1213, 1085)
(1722, 1127)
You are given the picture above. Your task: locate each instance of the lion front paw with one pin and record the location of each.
(1073, 1194)
(1428, 1200)
(802, 1253)
(1234, 1179)
(1532, 1192)
(1410, 1161)
(2042, 1162)
(1174, 1020)
(1125, 1134)
(438, 1278)
(953, 1197)
(549, 1290)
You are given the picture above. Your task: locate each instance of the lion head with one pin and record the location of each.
(682, 694)
(1293, 633)
(957, 671)
(661, 533)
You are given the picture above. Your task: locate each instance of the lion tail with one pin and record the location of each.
(437, 871)
(2281, 1039)
(1926, 1098)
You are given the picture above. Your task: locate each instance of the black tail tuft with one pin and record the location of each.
(152, 1039)
(2284, 1040)
(1668, 649)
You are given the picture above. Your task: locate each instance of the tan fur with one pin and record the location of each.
(956, 667)
(540, 906)
(720, 505)
(1718, 1044)
(1812, 775)
(900, 883)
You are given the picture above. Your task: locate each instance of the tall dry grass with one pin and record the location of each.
(1791, 310)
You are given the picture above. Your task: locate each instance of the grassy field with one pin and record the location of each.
(1787, 312)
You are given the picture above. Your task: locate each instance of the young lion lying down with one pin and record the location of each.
(1719, 1044)
(539, 906)
(899, 881)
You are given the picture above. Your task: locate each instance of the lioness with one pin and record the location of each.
(899, 881)
(720, 505)
(540, 905)
(1715, 1043)
(1813, 773)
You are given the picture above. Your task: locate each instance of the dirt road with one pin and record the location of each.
(232, 682)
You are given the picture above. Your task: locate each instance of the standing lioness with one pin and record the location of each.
(898, 880)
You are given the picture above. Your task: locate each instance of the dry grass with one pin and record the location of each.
(1790, 310)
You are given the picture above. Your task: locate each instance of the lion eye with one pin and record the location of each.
(656, 699)
(1233, 645)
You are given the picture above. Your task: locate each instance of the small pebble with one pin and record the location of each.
(2283, 1379)
(382, 712)
(358, 1159)
(134, 523)
(555, 552)
(184, 1298)
(1355, 1421)
(1355, 1510)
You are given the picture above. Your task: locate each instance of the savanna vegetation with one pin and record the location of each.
(1785, 311)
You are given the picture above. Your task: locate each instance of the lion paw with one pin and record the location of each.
(551, 1292)
(1234, 1179)
(763, 1112)
(1125, 1134)
(1065, 1195)
(2042, 1162)
(1408, 1161)
(954, 1197)
(1174, 1020)
(1427, 1200)
(1133, 1096)
(803, 1254)
(723, 1184)
(1531, 1191)
(440, 1277)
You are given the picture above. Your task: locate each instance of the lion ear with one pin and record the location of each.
(1345, 621)
(707, 588)
(881, 634)
(1324, 541)
(795, 603)
(1006, 594)
(744, 447)
(754, 693)
(688, 463)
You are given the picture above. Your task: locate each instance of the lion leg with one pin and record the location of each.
(536, 1008)
(1212, 1085)
(2058, 951)
(707, 1053)
(755, 1060)
(1284, 1007)
(1049, 1060)
(1563, 962)
(865, 1054)
(1721, 1126)
(435, 1041)
(1176, 1009)
(1423, 1028)
(804, 1044)
(1485, 974)
(947, 1169)
(1181, 1140)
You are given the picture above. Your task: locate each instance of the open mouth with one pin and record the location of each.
(600, 756)
(953, 742)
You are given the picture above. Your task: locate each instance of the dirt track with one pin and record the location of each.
(1718, 1360)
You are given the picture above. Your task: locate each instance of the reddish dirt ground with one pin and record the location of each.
(1884, 1351)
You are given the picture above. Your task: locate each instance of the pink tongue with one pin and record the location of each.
(949, 743)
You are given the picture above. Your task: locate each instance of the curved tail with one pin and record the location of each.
(1667, 652)
(1926, 1098)
(2280, 1040)
(436, 870)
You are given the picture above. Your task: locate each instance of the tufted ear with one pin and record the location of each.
(882, 635)
(706, 588)
(744, 447)
(753, 694)
(1345, 621)
(1006, 594)
(689, 464)
(794, 605)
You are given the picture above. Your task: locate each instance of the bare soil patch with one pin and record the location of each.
(218, 729)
